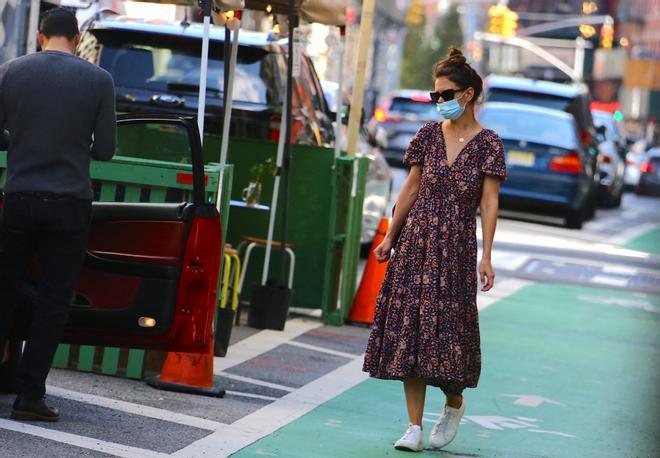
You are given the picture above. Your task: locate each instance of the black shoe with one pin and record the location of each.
(34, 410)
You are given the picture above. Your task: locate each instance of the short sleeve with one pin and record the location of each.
(415, 152)
(493, 163)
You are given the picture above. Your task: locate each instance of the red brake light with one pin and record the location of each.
(647, 167)
(568, 163)
(606, 159)
(382, 116)
(274, 130)
(379, 114)
(585, 138)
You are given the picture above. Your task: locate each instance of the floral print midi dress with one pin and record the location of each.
(426, 323)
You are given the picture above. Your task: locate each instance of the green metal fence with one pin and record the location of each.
(134, 180)
(324, 223)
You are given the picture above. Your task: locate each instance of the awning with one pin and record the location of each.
(329, 12)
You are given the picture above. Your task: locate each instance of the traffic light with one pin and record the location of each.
(415, 14)
(607, 34)
(496, 18)
(509, 23)
(502, 21)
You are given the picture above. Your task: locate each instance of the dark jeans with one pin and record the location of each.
(53, 229)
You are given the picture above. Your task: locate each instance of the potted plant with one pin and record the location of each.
(259, 172)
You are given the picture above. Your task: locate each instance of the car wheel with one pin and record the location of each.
(575, 218)
(616, 200)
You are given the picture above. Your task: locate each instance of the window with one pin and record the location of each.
(165, 63)
(530, 127)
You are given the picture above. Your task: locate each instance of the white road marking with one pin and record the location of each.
(641, 303)
(88, 443)
(619, 270)
(632, 233)
(507, 260)
(255, 381)
(530, 400)
(262, 342)
(610, 280)
(272, 417)
(136, 409)
(566, 243)
(556, 433)
(251, 395)
(322, 349)
(502, 289)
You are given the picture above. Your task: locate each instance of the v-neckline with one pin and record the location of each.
(458, 155)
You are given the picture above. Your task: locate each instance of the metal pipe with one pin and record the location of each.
(528, 45)
(201, 101)
(340, 89)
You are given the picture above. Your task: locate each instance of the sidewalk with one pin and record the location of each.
(568, 372)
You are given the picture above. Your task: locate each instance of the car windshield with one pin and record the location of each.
(529, 126)
(166, 63)
(528, 98)
(406, 105)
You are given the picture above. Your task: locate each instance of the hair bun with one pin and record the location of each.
(456, 57)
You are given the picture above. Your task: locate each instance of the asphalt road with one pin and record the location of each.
(301, 392)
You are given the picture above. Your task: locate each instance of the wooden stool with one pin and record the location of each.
(253, 242)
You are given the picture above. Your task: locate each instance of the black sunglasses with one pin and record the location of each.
(447, 95)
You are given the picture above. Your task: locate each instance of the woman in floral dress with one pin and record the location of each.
(426, 328)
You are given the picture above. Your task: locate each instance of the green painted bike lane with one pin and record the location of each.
(648, 242)
(568, 372)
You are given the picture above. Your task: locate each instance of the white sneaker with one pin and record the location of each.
(445, 429)
(412, 440)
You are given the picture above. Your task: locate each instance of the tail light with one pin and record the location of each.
(568, 163)
(585, 138)
(647, 167)
(606, 159)
(630, 161)
(382, 116)
(274, 130)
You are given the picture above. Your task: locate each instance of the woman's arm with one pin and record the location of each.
(488, 207)
(404, 203)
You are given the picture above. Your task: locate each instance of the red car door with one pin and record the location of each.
(151, 272)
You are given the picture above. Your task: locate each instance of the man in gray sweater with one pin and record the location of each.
(60, 112)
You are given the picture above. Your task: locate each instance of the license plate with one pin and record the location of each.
(520, 158)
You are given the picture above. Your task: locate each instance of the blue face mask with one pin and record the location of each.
(450, 109)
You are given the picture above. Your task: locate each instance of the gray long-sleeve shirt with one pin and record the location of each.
(60, 112)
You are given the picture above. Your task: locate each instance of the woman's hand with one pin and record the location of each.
(383, 250)
(487, 275)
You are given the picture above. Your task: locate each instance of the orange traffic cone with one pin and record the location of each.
(364, 304)
(190, 373)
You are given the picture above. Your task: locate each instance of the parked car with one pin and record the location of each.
(550, 172)
(401, 115)
(379, 180)
(612, 163)
(572, 98)
(150, 269)
(156, 68)
(649, 178)
(634, 158)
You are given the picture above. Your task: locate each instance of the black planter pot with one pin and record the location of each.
(226, 318)
(269, 306)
